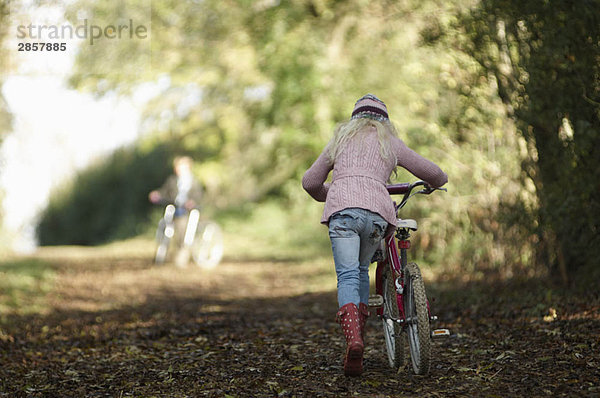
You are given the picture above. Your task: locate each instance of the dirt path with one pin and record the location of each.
(117, 326)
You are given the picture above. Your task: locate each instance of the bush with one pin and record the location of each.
(106, 201)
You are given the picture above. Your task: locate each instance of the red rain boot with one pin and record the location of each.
(363, 312)
(348, 317)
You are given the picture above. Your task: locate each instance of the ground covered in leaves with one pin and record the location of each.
(114, 325)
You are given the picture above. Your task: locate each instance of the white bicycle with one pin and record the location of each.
(202, 240)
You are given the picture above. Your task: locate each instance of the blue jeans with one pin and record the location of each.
(355, 235)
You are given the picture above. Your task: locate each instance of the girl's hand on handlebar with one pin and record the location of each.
(427, 189)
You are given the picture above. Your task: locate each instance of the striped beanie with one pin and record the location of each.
(370, 107)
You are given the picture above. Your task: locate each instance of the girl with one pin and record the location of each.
(358, 209)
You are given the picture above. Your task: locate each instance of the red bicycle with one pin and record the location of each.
(401, 300)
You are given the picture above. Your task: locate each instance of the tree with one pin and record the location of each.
(545, 59)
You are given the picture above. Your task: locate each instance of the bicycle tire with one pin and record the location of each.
(417, 320)
(207, 248)
(392, 331)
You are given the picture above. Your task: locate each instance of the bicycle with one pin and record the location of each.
(401, 300)
(202, 241)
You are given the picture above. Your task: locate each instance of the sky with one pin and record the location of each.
(56, 130)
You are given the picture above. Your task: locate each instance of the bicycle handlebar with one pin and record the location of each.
(162, 202)
(406, 188)
(165, 203)
(398, 189)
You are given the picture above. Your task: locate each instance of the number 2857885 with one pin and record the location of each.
(42, 46)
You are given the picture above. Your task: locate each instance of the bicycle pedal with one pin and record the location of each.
(376, 300)
(440, 333)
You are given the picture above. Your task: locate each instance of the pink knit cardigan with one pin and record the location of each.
(360, 174)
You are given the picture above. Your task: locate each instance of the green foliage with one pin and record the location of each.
(274, 79)
(544, 57)
(106, 201)
(255, 89)
(128, 22)
(461, 125)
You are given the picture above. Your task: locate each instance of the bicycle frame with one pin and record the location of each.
(398, 261)
(202, 241)
(401, 299)
(396, 247)
(168, 231)
(193, 217)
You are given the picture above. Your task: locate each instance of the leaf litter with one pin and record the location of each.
(190, 333)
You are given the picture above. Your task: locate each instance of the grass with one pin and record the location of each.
(270, 231)
(24, 282)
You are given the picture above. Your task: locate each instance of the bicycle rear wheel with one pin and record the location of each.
(207, 248)
(392, 331)
(417, 319)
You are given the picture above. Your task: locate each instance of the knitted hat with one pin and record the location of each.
(371, 107)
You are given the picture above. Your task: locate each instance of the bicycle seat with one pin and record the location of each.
(407, 223)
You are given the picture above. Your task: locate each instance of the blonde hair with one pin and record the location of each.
(349, 129)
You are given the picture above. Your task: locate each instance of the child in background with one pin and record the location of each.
(183, 190)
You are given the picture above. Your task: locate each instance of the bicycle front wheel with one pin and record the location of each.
(207, 248)
(164, 234)
(392, 331)
(417, 319)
